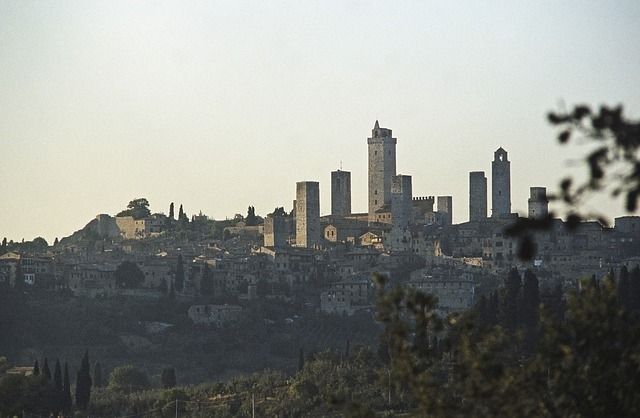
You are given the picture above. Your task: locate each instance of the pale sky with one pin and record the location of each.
(219, 105)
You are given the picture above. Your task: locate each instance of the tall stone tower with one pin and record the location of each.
(307, 214)
(382, 168)
(538, 202)
(340, 193)
(401, 198)
(445, 210)
(500, 184)
(477, 196)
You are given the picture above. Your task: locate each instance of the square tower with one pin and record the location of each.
(307, 214)
(500, 184)
(382, 168)
(445, 210)
(401, 201)
(538, 203)
(340, 193)
(477, 196)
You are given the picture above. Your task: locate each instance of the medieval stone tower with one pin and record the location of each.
(477, 196)
(307, 214)
(382, 168)
(500, 184)
(401, 198)
(340, 193)
(538, 202)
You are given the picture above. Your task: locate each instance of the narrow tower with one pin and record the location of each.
(477, 196)
(307, 214)
(382, 168)
(538, 203)
(340, 193)
(445, 210)
(401, 198)
(500, 184)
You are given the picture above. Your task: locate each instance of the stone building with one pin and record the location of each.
(538, 203)
(308, 231)
(275, 231)
(401, 201)
(382, 168)
(477, 196)
(445, 210)
(500, 184)
(340, 193)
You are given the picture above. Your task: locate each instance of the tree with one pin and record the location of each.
(301, 360)
(18, 283)
(511, 302)
(36, 368)
(58, 387)
(168, 378)
(46, 371)
(127, 379)
(97, 375)
(182, 216)
(83, 383)
(137, 208)
(251, 219)
(624, 288)
(55, 242)
(171, 213)
(530, 300)
(206, 283)
(67, 401)
(179, 279)
(279, 211)
(128, 275)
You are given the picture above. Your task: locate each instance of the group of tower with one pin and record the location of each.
(501, 192)
(390, 198)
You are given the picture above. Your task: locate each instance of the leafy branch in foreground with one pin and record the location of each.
(613, 168)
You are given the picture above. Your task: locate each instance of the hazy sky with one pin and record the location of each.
(223, 104)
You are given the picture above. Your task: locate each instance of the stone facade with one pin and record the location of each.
(308, 231)
(477, 196)
(401, 201)
(500, 184)
(538, 203)
(382, 168)
(340, 193)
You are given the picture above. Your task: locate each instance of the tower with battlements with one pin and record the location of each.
(500, 184)
(382, 168)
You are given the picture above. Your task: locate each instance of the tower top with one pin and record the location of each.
(379, 132)
(500, 155)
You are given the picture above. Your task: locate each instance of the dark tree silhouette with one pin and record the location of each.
(179, 279)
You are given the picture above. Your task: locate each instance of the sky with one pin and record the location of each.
(218, 105)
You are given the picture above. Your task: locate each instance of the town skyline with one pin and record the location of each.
(170, 108)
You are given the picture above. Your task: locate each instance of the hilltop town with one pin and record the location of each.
(295, 271)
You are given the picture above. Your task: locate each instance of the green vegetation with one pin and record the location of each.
(129, 275)
(138, 208)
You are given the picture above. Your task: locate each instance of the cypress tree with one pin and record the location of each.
(36, 368)
(301, 360)
(510, 311)
(168, 378)
(530, 300)
(83, 383)
(179, 274)
(55, 242)
(58, 387)
(46, 371)
(206, 283)
(97, 375)
(171, 214)
(18, 284)
(634, 289)
(57, 377)
(67, 401)
(624, 287)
